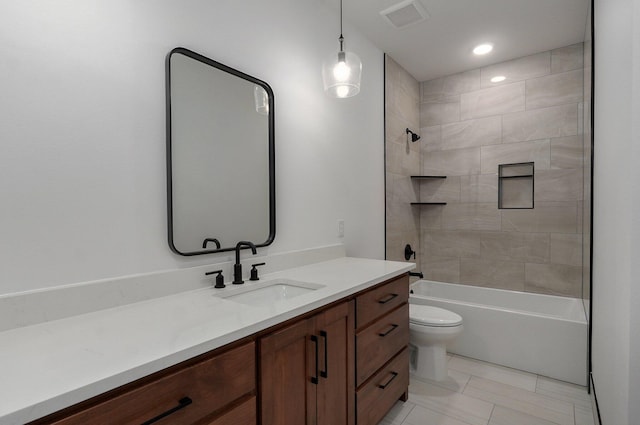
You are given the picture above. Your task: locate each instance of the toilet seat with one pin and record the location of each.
(426, 315)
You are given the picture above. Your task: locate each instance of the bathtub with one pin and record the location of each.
(542, 334)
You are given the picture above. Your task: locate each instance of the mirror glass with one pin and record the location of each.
(220, 156)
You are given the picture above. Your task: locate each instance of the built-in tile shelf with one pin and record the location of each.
(428, 178)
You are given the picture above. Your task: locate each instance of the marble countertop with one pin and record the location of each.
(53, 365)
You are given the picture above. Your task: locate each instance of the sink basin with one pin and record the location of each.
(270, 292)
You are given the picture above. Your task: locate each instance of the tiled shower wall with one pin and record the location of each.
(402, 110)
(469, 126)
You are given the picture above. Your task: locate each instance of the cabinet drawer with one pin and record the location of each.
(377, 343)
(379, 394)
(244, 414)
(381, 300)
(189, 394)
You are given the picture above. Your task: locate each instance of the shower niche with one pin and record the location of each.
(516, 185)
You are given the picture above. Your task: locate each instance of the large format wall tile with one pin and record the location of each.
(548, 187)
(462, 82)
(555, 89)
(567, 58)
(441, 269)
(547, 217)
(514, 246)
(492, 273)
(475, 216)
(566, 152)
(439, 113)
(492, 101)
(439, 190)
(556, 121)
(455, 162)
(430, 139)
(478, 132)
(554, 279)
(451, 243)
(399, 161)
(479, 188)
(518, 69)
(566, 249)
(537, 151)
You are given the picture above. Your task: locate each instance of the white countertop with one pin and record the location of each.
(53, 365)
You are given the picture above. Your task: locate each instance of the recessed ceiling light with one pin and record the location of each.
(498, 78)
(483, 49)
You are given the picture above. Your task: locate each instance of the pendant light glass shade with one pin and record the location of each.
(341, 74)
(342, 71)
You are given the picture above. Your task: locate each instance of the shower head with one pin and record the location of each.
(414, 136)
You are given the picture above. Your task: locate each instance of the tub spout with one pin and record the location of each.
(417, 274)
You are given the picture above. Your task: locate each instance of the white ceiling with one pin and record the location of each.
(442, 44)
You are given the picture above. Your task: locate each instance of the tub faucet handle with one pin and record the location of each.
(408, 252)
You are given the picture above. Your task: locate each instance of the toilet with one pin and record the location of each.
(430, 330)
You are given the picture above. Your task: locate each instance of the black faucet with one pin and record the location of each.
(237, 267)
(214, 240)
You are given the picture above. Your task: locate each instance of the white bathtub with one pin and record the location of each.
(542, 334)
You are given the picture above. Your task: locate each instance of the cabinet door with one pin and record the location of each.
(288, 372)
(335, 398)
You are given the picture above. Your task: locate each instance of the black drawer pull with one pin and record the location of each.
(387, 299)
(325, 373)
(182, 403)
(314, 379)
(393, 328)
(386, 384)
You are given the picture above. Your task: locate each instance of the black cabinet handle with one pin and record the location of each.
(325, 373)
(387, 299)
(314, 379)
(393, 328)
(182, 403)
(393, 376)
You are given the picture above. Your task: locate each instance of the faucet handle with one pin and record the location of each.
(219, 278)
(254, 271)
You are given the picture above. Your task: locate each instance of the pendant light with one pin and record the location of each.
(341, 72)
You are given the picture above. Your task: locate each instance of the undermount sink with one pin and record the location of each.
(269, 292)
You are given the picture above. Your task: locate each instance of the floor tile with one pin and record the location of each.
(584, 416)
(564, 391)
(423, 416)
(450, 403)
(543, 407)
(456, 381)
(505, 375)
(398, 413)
(505, 416)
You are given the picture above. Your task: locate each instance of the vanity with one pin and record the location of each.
(336, 354)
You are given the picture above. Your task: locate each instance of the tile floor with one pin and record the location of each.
(479, 393)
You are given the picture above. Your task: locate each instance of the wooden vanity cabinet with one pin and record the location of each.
(382, 355)
(343, 364)
(305, 372)
(216, 389)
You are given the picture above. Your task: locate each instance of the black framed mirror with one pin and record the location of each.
(220, 156)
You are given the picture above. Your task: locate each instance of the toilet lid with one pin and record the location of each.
(432, 316)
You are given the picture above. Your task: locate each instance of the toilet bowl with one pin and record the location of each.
(430, 330)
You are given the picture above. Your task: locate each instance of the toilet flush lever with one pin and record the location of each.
(408, 252)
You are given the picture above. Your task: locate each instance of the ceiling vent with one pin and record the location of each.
(405, 13)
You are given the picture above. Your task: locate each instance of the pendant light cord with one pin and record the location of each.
(341, 39)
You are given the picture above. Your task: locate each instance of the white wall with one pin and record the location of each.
(82, 169)
(616, 297)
